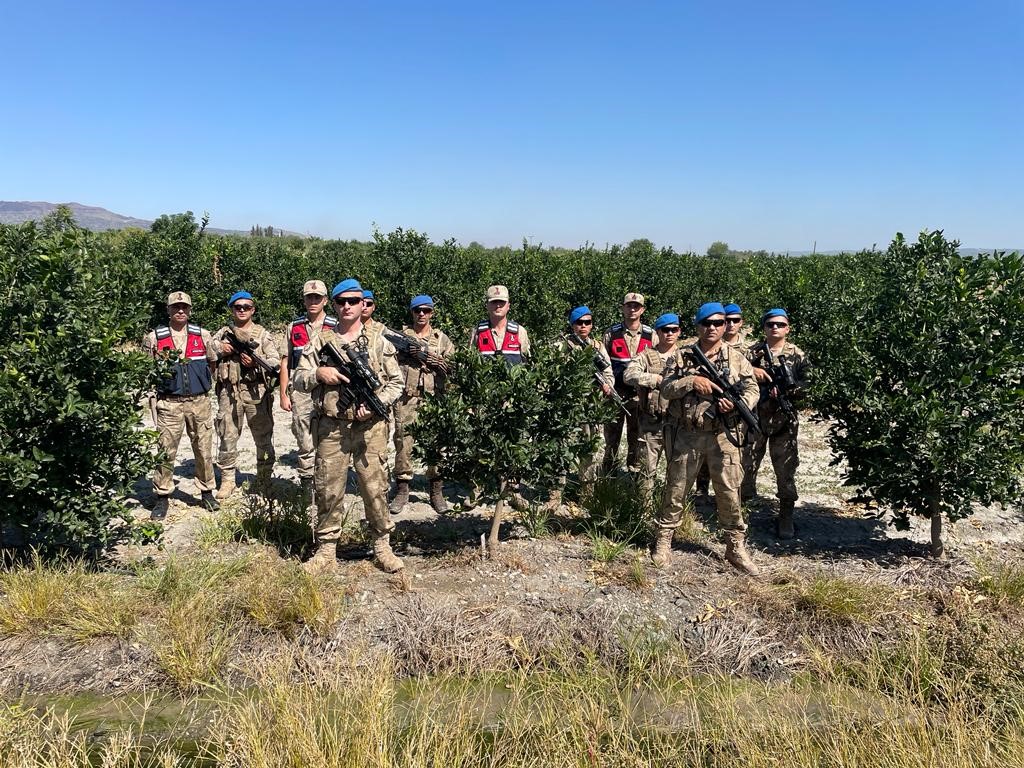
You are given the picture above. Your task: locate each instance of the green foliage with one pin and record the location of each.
(616, 510)
(925, 388)
(69, 443)
(718, 249)
(496, 425)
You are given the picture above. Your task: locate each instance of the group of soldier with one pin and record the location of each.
(346, 377)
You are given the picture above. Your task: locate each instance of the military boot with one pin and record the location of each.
(306, 491)
(159, 511)
(737, 555)
(784, 523)
(437, 496)
(554, 501)
(661, 554)
(207, 500)
(227, 483)
(325, 557)
(401, 497)
(386, 560)
(518, 502)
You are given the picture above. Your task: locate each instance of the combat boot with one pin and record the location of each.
(386, 560)
(325, 558)
(437, 496)
(784, 524)
(737, 555)
(227, 483)
(555, 501)
(518, 502)
(401, 497)
(661, 555)
(306, 491)
(207, 500)
(159, 511)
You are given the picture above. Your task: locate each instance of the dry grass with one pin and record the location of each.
(825, 599)
(1002, 581)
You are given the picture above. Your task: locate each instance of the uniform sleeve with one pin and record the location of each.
(801, 371)
(678, 385)
(445, 346)
(637, 374)
(211, 346)
(391, 374)
(218, 339)
(524, 341)
(272, 347)
(149, 343)
(472, 338)
(607, 377)
(749, 390)
(303, 378)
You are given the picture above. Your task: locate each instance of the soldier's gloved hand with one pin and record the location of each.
(704, 386)
(725, 405)
(762, 376)
(363, 413)
(330, 376)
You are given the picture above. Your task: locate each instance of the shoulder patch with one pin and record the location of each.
(195, 330)
(513, 326)
(162, 332)
(646, 328)
(483, 325)
(330, 322)
(301, 319)
(614, 328)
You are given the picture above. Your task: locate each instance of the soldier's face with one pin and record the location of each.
(776, 329)
(711, 328)
(497, 308)
(584, 326)
(632, 310)
(349, 306)
(732, 326)
(314, 303)
(421, 317)
(178, 312)
(369, 306)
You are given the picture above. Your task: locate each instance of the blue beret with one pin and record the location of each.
(707, 310)
(669, 318)
(579, 312)
(421, 301)
(733, 309)
(367, 293)
(345, 286)
(777, 312)
(239, 295)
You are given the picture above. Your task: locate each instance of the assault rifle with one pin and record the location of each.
(415, 349)
(363, 383)
(783, 381)
(729, 391)
(601, 365)
(271, 371)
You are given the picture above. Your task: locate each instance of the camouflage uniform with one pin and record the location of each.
(419, 379)
(589, 463)
(189, 413)
(613, 429)
(499, 338)
(303, 412)
(245, 395)
(694, 434)
(644, 373)
(343, 441)
(704, 475)
(778, 431)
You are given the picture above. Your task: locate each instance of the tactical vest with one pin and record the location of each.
(299, 337)
(511, 349)
(191, 372)
(618, 351)
(651, 401)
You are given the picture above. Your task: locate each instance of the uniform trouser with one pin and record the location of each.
(195, 416)
(405, 414)
(303, 424)
(363, 444)
(651, 445)
(685, 450)
(783, 451)
(590, 461)
(236, 406)
(613, 436)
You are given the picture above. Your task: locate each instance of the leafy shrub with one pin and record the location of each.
(69, 388)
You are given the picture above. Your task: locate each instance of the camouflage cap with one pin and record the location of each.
(178, 297)
(497, 293)
(633, 296)
(314, 286)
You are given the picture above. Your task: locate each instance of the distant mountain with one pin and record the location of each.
(88, 216)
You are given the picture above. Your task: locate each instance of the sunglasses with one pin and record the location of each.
(350, 300)
(498, 302)
(369, 302)
(584, 322)
(670, 329)
(734, 320)
(712, 323)
(314, 297)
(243, 307)
(180, 307)
(633, 305)
(776, 325)
(423, 310)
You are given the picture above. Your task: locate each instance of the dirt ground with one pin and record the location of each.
(451, 603)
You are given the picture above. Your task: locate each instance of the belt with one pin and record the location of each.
(181, 397)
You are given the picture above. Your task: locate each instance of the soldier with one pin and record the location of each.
(245, 393)
(781, 369)
(350, 433)
(304, 328)
(645, 372)
(182, 402)
(581, 326)
(497, 334)
(624, 341)
(425, 371)
(366, 315)
(699, 427)
(735, 335)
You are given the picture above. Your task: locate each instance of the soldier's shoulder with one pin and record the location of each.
(300, 320)
(614, 328)
(647, 330)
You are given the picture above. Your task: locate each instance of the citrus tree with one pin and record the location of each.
(925, 389)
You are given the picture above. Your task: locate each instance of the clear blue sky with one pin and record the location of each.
(767, 125)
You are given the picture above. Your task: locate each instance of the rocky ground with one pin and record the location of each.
(453, 609)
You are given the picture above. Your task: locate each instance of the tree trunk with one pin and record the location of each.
(499, 511)
(938, 549)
